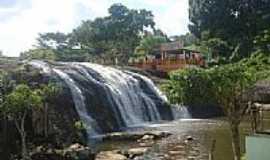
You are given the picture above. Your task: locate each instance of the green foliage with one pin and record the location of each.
(235, 22)
(189, 87)
(228, 86)
(244, 157)
(41, 54)
(188, 39)
(216, 85)
(262, 41)
(20, 100)
(51, 40)
(79, 125)
(148, 44)
(48, 92)
(114, 35)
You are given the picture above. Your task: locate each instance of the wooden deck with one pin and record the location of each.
(167, 65)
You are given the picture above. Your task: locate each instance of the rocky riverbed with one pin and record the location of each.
(190, 139)
(182, 139)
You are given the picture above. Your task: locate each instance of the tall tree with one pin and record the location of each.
(16, 107)
(237, 22)
(148, 44)
(121, 29)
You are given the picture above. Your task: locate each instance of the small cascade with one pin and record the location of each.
(79, 100)
(108, 99)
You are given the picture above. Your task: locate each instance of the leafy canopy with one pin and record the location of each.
(148, 44)
(22, 99)
(237, 22)
(117, 34)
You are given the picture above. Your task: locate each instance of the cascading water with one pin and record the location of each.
(107, 99)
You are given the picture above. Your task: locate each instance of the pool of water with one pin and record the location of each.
(203, 132)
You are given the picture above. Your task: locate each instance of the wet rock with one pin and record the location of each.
(110, 155)
(189, 138)
(122, 136)
(139, 136)
(73, 152)
(146, 144)
(77, 151)
(177, 153)
(146, 138)
(135, 152)
(159, 134)
(179, 147)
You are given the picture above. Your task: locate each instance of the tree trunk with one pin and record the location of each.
(24, 148)
(22, 132)
(46, 120)
(236, 140)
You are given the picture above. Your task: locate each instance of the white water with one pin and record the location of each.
(126, 91)
(79, 101)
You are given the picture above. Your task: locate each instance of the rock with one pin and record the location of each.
(135, 152)
(75, 146)
(177, 153)
(122, 136)
(110, 155)
(77, 151)
(189, 138)
(146, 144)
(159, 134)
(147, 137)
(179, 147)
(139, 136)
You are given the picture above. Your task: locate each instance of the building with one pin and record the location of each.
(170, 56)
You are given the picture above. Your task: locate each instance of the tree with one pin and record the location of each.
(41, 54)
(16, 107)
(188, 39)
(121, 29)
(262, 41)
(227, 86)
(148, 45)
(236, 22)
(115, 35)
(48, 93)
(52, 40)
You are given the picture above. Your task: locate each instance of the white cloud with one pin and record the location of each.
(174, 19)
(19, 30)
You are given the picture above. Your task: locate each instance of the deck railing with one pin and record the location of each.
(167, 65)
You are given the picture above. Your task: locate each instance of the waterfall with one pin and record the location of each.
(108, 99)
(79, 101)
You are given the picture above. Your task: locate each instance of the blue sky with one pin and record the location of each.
(22, 20)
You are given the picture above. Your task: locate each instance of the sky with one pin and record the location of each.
(22, 20)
